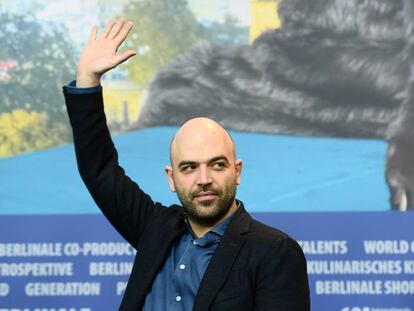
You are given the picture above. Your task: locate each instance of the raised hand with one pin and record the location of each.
(100, 54)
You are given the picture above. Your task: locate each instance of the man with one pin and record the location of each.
(208, 254)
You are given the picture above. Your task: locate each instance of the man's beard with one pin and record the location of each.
(218, 207)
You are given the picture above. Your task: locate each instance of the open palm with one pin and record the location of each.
(101, 52)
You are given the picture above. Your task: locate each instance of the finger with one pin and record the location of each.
(116, 28)
(122, 57)
(94, 31)
(124, 33)
(108, 28)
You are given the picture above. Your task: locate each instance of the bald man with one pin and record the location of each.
(207, 254)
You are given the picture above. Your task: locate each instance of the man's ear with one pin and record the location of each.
(169, 172)
(239, 165)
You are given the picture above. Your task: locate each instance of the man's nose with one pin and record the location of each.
(204, 176)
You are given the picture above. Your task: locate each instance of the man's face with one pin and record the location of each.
(204, 174)
(206, 202)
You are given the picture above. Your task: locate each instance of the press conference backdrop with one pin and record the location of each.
(57, 252)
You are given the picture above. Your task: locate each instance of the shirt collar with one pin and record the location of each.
(221, 228)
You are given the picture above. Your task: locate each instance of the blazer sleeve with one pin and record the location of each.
(282, 281)
(120, 199)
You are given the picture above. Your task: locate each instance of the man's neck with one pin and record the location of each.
(201, 229)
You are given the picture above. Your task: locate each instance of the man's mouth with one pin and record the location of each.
(205, 196)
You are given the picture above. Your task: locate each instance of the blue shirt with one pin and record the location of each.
(72, 89)
(176, 284)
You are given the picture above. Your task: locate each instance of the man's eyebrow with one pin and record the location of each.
(186, 162)
(212, 160)
(218, 158)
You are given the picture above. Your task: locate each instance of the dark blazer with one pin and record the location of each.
(255, 267)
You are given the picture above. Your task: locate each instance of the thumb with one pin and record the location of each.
(122, 57)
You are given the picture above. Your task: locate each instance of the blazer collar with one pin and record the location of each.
(157, 246)
(223, 259)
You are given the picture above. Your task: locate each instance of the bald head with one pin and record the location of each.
(199, 135)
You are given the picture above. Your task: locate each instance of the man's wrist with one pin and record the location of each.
(84, 80)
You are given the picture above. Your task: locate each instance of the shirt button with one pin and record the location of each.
(178, 298)
(182, 267)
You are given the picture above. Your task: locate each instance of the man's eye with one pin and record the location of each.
(219, 165)
(188, 168)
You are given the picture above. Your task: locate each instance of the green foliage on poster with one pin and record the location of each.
(165, 29)
(35, 61)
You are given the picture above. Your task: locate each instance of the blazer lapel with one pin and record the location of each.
(156, 246)
(222, 261)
